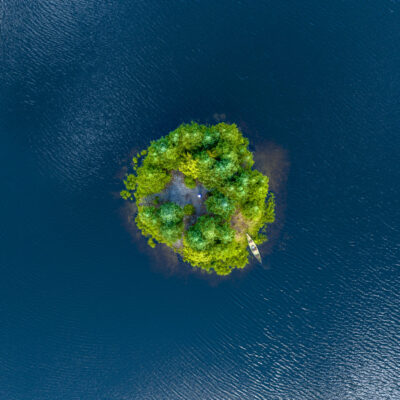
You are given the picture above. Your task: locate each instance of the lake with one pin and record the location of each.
(87, 312)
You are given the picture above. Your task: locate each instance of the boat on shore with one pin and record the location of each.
(254, 248)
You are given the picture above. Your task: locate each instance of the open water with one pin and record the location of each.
(85, 313)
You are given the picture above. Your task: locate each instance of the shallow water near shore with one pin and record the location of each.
(87, 313)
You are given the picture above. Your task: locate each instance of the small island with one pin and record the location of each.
(196, 191)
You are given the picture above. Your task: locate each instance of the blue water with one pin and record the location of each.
(85, 313)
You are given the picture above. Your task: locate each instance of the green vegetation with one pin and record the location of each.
(164, 223)
(189, 209)
(221, 205)
(209, 232)
(190, 182)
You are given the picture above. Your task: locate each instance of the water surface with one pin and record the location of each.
(85, 314)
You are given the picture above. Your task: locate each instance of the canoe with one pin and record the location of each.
(253, 248)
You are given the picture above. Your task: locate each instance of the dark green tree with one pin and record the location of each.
(220, 205)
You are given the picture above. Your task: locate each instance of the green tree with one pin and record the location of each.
(221, 205)
(151, 180)
(171, 213)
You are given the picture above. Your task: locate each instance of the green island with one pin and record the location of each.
(196, 191)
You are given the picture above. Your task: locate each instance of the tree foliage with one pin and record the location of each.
(190, 182)
(164, 224)
(221, 205)
(218, 158)
(189, 209)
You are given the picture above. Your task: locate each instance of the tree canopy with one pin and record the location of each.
(237, 199)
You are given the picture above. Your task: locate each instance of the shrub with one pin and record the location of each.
(189, 209)
(190, 182)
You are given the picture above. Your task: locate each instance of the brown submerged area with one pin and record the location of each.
(273, 160)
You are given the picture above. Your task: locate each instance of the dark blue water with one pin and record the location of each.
(85, 314)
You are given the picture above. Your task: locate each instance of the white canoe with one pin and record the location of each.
(253, 248)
